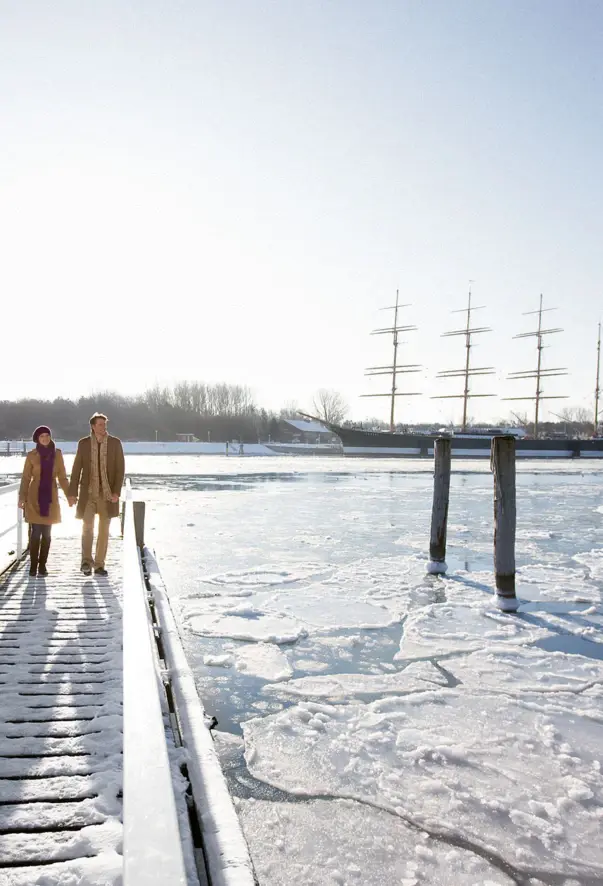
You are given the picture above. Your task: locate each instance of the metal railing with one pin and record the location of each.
(13, 447)
(13, 488)
(227, 858)
(152, 850)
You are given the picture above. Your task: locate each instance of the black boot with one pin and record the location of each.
(34, 549)
(44, 548)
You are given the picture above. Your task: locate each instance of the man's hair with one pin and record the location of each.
(94, 417)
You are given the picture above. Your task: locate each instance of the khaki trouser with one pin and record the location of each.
(94, 507)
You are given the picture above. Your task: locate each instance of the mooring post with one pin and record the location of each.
(439, 512)
(139, 508)
(505, 515)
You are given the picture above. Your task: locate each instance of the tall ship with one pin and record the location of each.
(469, 441)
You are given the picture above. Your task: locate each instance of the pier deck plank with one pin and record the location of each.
(61, 722)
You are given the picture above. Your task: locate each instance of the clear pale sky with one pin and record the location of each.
(231, 190)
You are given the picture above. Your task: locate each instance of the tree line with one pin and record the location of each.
(214, 412)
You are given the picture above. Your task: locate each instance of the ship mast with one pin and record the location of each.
(467, 370)
(539, 373)
(394, 370)
(597, 387)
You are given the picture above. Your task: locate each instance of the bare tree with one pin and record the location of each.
(567, 414)
(578, 420)
(519, 420)
(156, 397)
(182, 395)
(290, 409)
(330, 406)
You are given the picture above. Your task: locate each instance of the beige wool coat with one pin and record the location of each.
(30, 486)
(80, 474)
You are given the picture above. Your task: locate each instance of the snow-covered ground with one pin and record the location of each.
(378, 725)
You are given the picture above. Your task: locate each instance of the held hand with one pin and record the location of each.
(22, 505)
(72, 500)
(114, 498)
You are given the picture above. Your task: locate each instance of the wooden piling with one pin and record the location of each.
(505, 515)
(139, 509)
(439, 512)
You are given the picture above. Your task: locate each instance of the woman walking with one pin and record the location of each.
(39, 496)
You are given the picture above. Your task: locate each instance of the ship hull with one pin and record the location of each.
(376, 444)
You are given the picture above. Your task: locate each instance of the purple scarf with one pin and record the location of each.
(46, 454)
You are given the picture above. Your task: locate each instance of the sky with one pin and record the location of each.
(232, 191)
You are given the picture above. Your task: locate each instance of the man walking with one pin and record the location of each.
(98, 470)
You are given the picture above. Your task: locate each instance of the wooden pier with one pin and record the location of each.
(107, 768)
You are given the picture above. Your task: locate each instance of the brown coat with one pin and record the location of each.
(80, 475)
(30, 486)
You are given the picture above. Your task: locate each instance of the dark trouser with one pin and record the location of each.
(39, 545)
(40, 530)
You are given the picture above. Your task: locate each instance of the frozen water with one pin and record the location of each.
(263, 660)
(453, 762)
(380, 725)
(341, 687)
(295, 844)
(248, 623)
(218, 661)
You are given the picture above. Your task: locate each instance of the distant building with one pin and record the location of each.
(186, 438)
(300, 430)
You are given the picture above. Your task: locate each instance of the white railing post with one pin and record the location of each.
(19, 531)
(18, 524)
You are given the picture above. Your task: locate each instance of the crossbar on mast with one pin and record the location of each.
(397, 394)
(393, 329)
(400, 366)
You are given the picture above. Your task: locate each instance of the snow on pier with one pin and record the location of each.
(61, 723)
